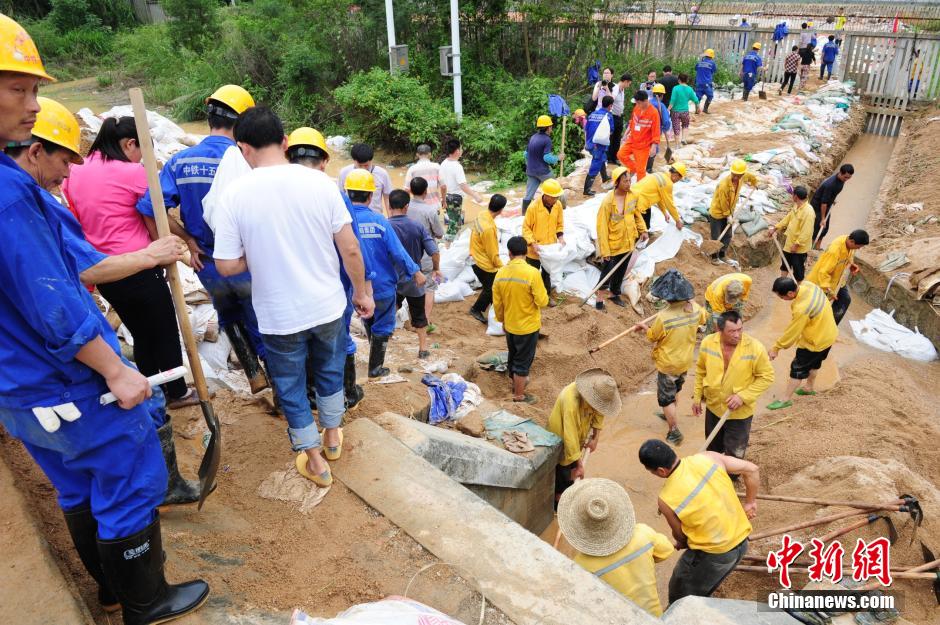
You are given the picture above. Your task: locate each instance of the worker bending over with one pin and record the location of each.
(704, 513)
(673, 332)
(596, 517)
(58, 356)
(484, 249)
(723, 203)
(417, 242)
(657, 189)
(812, 329)
(829, 271)
(797, 226)
(544, 224)
(619, 225)
(729, 292)
(732, 371)
(642, 134)
(577, 419)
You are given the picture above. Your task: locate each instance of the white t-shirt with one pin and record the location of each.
(452, 176)
(232, 167)
(383, 185)
(617, 108)
(282, 220)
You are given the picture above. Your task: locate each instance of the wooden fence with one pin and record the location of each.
(917, 10)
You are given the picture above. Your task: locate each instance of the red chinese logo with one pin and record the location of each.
(827, 563)
(869, 560)
(783, 558)
(872, 560)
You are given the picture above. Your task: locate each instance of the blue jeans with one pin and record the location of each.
(598, 159)
(231, 298)
(532, 185)
(108, 459)
(287, 354)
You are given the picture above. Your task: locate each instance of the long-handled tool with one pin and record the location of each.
(210, 462)
(715, 430)
(908, 500)
(786, 263)
(822, 227)
(155, 380)
(838, 516)
(916, 572)
(713, 246)
(761, 94)
(632, 328)
(633, 255)
(908, 574)
(667, 155)
(585, 454)
(564, 134)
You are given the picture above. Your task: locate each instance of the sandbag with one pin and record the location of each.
(493, 327)
(879, 330)
(398, 611)
(452, 291)
(753, 227)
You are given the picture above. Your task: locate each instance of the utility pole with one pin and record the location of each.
(455, 53)
(390, 27)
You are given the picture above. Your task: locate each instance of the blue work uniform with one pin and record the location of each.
(347, 283)
(186, 179)
(109, 458)
(384, 254)
(665, 121)
(704, 72)
(749, 68)
(829, 53)
(598, 150)
(538, 158)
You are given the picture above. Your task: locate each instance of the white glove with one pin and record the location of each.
(49, 417)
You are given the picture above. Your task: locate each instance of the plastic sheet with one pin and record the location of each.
(391, 611)
(879, 330)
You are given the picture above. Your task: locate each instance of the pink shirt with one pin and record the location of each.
(103, 195)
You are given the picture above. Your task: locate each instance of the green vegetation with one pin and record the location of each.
(324, 63)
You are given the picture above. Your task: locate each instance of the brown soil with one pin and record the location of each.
(749, 143)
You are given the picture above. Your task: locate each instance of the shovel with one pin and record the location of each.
(838, 516)
(762, 94)
(634, 254)
(210, 462)
(711, 437)
(667, 156)
(633, 328)
(713, 246)
(786, 263)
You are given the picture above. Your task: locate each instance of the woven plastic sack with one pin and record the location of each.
(672, 286)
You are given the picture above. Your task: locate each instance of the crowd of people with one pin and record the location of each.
(287, 281)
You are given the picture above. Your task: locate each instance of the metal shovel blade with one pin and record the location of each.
(210, 461)
(668, 156)
(892, 531)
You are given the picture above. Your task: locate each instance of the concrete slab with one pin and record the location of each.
(516, 571)
(712, 611)
(33, 590)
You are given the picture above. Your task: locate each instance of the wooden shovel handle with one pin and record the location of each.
(632, 328)
(825, 502)
(798, 569)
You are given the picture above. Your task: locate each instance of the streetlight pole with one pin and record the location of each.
(455, 53)
(390, 27)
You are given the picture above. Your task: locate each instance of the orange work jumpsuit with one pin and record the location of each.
(643, 133)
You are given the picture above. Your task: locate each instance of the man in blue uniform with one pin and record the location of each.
(186, 179)
(829, 53)
(385, 256)
(597, 143)
(704, 72)
(751, 67)
(57, 356)
(538, 159)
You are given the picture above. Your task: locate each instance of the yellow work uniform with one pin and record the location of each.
(484, 243)
(542, 225)
(829, 271)
(715, 293)
(654, 189)
(618, 227)
(727, 193)
(518, 294)
(812, 325)
(632, 571)
(701, 494)
(748, 374)
(674, 332)
(571, 420)
(798, 227)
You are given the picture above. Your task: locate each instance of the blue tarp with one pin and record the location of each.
(557, 107)
(445, 397)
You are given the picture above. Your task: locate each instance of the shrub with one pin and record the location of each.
(193, 24)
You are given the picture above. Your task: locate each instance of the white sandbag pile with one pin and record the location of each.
(879, 330)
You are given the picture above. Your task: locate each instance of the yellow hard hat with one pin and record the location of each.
(580, 113)
(56, 124)
(234, 97)
(360, 180)
(544, 121)
(551, 188)
(658, 88)
(738, 166)
(619, 171)
(679, 167)
(307, 136)
(18, 53)
(756, 45)
(710, 53)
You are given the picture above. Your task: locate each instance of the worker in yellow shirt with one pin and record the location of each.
(484, 249)
(657, 189)
(829, 271)
(597, 518)
(618, 229)
(812, 329)
(518, 294)
(673, 332)
(797, 226)
(544, 224)
(704, 513)
(577, 419)
(732, 371)
(729, 292)
(724, 201)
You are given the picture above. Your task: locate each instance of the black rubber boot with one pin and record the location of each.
(377, 347)
(588, 183)
(179, 490)
(134, 569)
(351, 390)
(251, 365)
(525, 206)
(83, 528)
(708, 102)
(649, 164)
(605, 177)
(746, 93)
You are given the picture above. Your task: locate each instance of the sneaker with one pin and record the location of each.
(674, 437)
(476, 314)
(777, 404)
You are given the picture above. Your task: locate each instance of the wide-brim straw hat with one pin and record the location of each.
(599, 390)
(596, 516)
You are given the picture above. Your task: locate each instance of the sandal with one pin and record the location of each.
(528, 399)
(333, 453)
(323, 480)
(804, 392)
(187, 400)
(777, 405)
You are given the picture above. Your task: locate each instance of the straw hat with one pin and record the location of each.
(599, 390)
(734, 291)
(596, 516)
